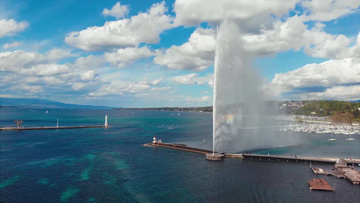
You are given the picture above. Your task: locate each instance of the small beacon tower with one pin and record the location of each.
(106, 123)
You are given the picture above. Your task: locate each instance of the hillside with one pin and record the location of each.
(337, 111)
(42, 103)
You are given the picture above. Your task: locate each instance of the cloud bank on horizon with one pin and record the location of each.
(144, 54)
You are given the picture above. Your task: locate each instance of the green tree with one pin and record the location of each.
(356, 113)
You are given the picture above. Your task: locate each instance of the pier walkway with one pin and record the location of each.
(297, 158)
(342, 170)
(179, 147)
(50, 127)
(259, 157)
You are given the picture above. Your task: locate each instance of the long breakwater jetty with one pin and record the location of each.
(295, 158)
(50, 127)
(176, 146)
(255, 157)
(57, 127)
(341, 169)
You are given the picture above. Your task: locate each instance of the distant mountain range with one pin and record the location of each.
(43, 103)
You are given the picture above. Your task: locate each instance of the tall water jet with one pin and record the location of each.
(239, 119)
(237, 98)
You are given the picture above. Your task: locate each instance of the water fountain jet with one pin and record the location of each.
(237, 97)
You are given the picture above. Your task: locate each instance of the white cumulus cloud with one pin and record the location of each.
(19, 59)
(45, 69)
(32, 73)
(117, 11)
(198, 99)
(196, 54)
(122, 57)
(280, 38)
(326, 10)
(332, 46)
(194, 79)
(11, 45)
(58, 54)
(328, 73)
(190, 12)
(186, 79)
(88, 75)
(316, 43)
(10, 27)
(342, 93)
(330, 76)
(142, 28)
(129, 87)
(90, 61)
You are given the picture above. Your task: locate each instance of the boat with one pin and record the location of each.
(215, 156)
(148, 145)
(332, 138)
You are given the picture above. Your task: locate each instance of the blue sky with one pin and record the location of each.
(161, 53)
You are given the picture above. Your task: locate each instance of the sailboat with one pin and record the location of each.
(332, 138)
(350, 138)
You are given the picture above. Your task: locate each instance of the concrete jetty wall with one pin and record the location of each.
(50, 127)
(297, 158)
(259, 157)
(181, 147)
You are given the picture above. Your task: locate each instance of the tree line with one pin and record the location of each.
(338, 111)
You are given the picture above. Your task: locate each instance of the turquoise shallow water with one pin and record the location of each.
(110, 165)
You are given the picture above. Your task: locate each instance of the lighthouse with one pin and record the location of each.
(106, 123)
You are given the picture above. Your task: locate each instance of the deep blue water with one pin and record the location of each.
(111, 165)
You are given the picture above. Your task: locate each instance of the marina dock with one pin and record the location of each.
(341, 170)
(320, 184)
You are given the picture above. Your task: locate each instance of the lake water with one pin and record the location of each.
(111, 165)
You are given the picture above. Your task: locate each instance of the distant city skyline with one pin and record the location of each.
(161, 53)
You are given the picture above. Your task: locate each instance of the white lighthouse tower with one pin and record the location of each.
(106, 123)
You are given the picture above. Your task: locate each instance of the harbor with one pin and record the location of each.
(341, 170)
(317, 126)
